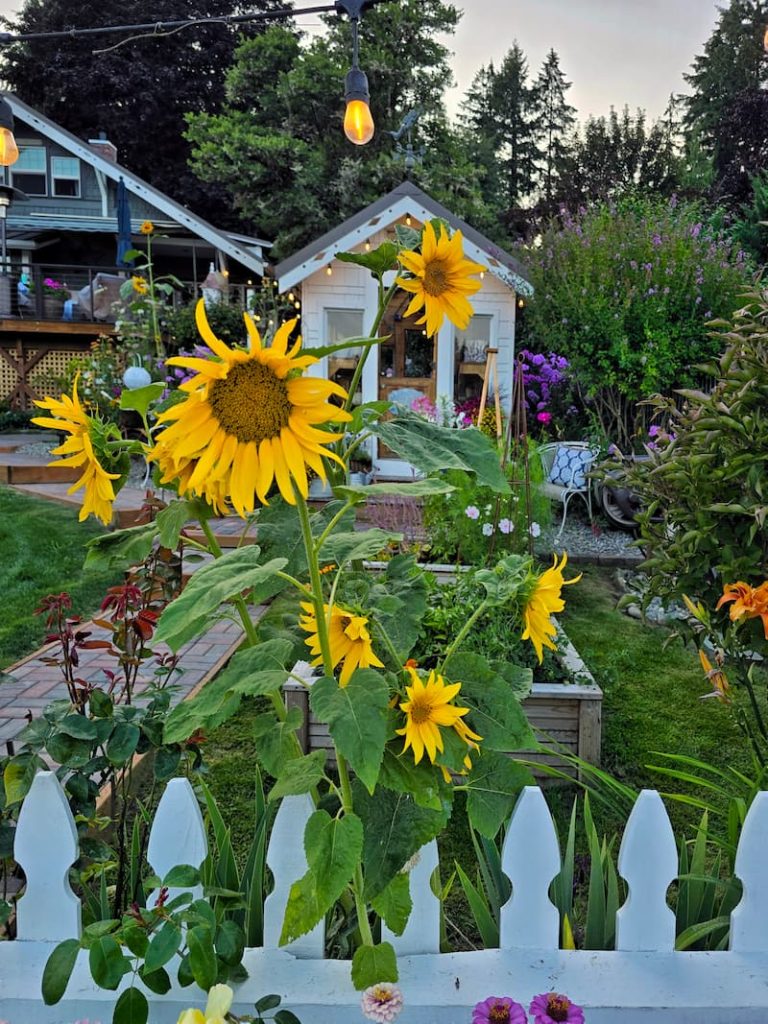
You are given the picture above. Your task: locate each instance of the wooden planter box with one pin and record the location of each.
(563, 714)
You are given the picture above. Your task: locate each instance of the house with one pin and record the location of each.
(65, 227)
(339, 301)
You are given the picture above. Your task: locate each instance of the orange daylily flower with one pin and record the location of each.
(747, 602)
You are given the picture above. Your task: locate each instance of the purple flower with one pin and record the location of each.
(487, 529)
(506, 526)
(553, 1008)
(657, 240)
(472, 512)
(696, 230)
(382, 1003)
(544, 417)
(499, 1010)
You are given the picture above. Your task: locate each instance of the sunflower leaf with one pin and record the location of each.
(415, 489)
(394, 904)
(378, 261)
(493, 785)
(432, 448)
(299, 775)
(373, 964)
(140, 399)
(356, 717)
(349, 547)
(495, 713)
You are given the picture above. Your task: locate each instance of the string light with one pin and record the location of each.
(329, 270)
(482, 275)
(291, 296)
(367, 246)
(408, 219)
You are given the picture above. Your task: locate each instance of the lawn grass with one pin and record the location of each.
(42, 550)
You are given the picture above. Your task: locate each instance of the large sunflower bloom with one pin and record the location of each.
(427, 710)
(69, 416)
(442, 280)
(250, 419)
(748, 602)
(348, 637)
(544, 602)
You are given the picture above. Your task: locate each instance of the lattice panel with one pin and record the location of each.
(47, 376)
(9, 378)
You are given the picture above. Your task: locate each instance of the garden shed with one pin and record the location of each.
(339, 301)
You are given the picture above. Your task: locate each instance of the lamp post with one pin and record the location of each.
(9, 154)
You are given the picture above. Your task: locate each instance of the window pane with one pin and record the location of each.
(65, 167)
(66, 187)
(31, 158)
(342, 324)
(472, 343)
(32, 184)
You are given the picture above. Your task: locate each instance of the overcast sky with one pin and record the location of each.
(614, 51)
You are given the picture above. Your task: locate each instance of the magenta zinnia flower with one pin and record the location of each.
(499, 1010)
(553, 1008)
(382, 1003)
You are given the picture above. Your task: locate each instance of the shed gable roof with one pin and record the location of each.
(249, 255)
(406, 198)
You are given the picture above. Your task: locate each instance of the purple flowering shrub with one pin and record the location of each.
(625, 293)
(548, 394)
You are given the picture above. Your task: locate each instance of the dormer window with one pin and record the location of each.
(29, 173)
(65, 176)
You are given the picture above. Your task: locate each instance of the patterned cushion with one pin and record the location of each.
(570, 467)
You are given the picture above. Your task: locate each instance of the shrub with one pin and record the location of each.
(624, 293)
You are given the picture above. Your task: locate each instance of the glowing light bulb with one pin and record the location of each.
(9, 151)
(482, 275)
(367, 246)
(765, 40)
(291, 296)
(408, 220)
(297, 305)
(520, 303)
(329, 270)
(358, 123)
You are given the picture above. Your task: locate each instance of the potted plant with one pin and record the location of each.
(54, 292)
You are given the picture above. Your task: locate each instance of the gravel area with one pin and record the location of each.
(587, 543)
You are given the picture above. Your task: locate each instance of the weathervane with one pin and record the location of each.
(411, 157)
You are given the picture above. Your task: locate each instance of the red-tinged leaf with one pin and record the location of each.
(143, 629)
(104, 624)
(82, 635)
(74, 658)
(96, 645)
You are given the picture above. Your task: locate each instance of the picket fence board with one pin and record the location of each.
(422, 933)
(749, 921)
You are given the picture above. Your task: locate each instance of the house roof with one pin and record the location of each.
(406, 198)
(246, 251)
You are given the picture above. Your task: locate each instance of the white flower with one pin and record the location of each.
(382, 1002)
(506, 525)
(487, 529)
(472, 512)
(535, 530)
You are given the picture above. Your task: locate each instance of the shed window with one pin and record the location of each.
(29, 173)
(65, 175)
(342, 324)
(472, 344)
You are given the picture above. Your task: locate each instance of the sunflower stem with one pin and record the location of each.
(316, 584)
(480, 610)
(357, 882)
(318, 544)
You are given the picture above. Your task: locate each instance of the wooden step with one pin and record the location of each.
(11, 441)
(16, 468)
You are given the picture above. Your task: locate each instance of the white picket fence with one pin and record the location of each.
(643, 980)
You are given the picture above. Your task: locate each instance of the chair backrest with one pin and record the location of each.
(566, 463)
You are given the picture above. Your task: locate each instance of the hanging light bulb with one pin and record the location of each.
(9, 151)
(367, 246)
(329, 270)
(765, 40)
(358, 120)
(482, 275)
(408, 221)
(297, 305)
(291, 296)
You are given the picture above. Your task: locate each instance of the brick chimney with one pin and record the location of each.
(104, 147)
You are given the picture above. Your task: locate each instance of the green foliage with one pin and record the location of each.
(705, 493)
(625, 294)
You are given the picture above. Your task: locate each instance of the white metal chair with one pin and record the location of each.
(566, 465)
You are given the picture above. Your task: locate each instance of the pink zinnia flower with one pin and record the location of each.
(544, 417)
(499, 1010)
(382, 1002)
(553, 1008)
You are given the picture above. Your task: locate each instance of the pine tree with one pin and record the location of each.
(512, 102)
(554, 120)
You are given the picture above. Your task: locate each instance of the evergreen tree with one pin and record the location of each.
(554, 120)
(512, 100)
(137, 89)
(480, 135)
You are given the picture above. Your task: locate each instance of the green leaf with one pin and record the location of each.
(78, 726)
(300, 775)
(65, 750)
(286, 1017)
(58, 970)
(493, 784)
(212, 585)
(18, 776)
(202, 956)
(171, 522)
(100, 703)
(107, 963)
(394, 904)
(327, 350)
(267, 1003)
(373, 964)
(432, 448)
(136, 939)
(356, 716)
(303, 910)
(209, 709)
(416, 489)
(230, 942)
(378, 260)
(259, 671)
(167, 760)
(276, 741)
(182, 877)
(361, 544)
(121, 548)
(395, 827)
(131, 1008)
(495, 713)
(157, 981)
(140, 399)
(123, 742)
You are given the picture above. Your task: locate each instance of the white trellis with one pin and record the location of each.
(642, 981)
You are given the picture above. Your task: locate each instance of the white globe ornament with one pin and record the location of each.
(136, 377)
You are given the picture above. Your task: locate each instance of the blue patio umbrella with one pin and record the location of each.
(124, 242)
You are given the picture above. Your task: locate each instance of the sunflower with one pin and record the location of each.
(545, 601)
(147, 227)
(140, 285)
(748, 602)
(250, 419)
(441, 281)
(427, 710)
(86, 434)
(349, 640)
